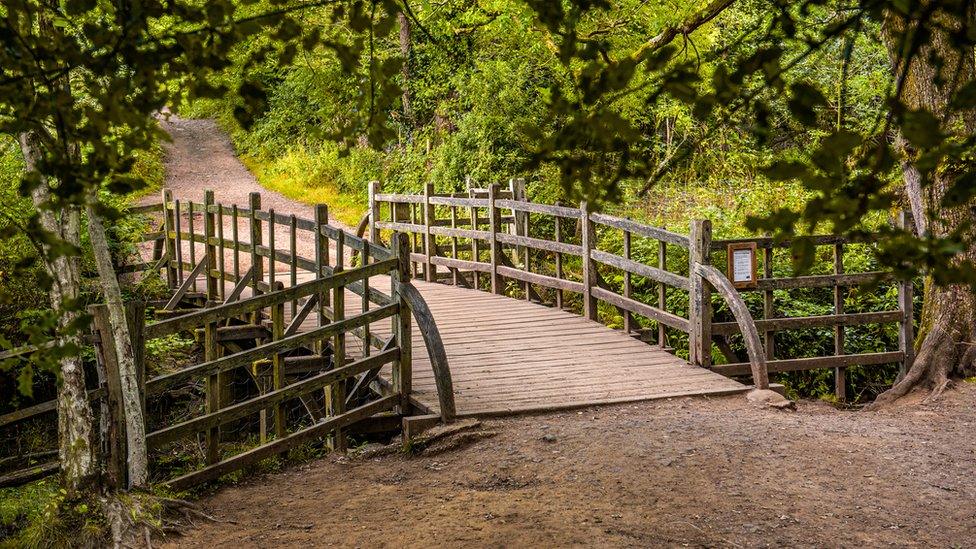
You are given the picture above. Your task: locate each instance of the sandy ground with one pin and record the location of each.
(685, 472)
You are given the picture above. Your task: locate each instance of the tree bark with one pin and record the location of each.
(405, 70)
(75, 444)
(948, 325)
(135, 426)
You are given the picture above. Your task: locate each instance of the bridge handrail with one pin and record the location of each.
(754, 346)
(492, 233)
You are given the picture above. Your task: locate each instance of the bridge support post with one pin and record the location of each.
(257, 239)
(403, 367)
(169, 247)
(700, 298)
(588, 241)
(430, 243)
(374, 212)
(209, 233)
(495, 225)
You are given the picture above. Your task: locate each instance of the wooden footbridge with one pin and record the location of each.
(442, 306)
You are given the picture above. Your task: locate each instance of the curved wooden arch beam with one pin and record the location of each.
(435, 349)
(363, 225)
(757, 357)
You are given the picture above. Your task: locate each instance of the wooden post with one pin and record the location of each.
(213, 386)
(769, 310)
(272, 250)
(278, 365)
(257, 239)
(321, 261)
(402, 368)
(170, 241)
(235, 235)
(840, 374)
(495, 224)
(559, 259)
(192, 240)
(374, 212)
(521, 228)
(662, 292)
(336, 397)
(114, 444)
(178, 242)
(209, 234)
(135, 312)
(430, 242)
(222, 279)
(475, 243)
(700, 299)
(628, 327)
(588, 241)
(906, 303)
(364, 306)
(454, 245)
(293, 260)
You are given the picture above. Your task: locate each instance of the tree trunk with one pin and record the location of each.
(948, 324)
(405, 70)
(75, 444)
(135, 426)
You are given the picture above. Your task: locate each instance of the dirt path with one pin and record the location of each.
(201, 157)
(686, 472)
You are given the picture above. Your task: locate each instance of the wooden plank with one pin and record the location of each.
(533, 207)
(642, 309)
(240, 410)
(821, 281)
(640, 229)
(187, 283)
(540, 244)
(813, 363)
(244, 358)
(640, 269)
(262, 301)
(278, 446)
(807, 322)
(540, 280)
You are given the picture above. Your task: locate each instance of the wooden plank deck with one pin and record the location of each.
(509, 356)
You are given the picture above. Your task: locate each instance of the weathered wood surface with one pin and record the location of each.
(509, 356)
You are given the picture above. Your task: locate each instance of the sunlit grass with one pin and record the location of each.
(300, 176)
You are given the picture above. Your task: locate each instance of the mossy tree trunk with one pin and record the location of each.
(75, 440)
(947, 338)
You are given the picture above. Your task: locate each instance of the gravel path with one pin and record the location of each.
(201, 157)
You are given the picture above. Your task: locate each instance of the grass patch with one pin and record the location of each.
(303, 177)
(39, 514)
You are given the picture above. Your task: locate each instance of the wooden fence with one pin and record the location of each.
(281, 322)
(496, 240)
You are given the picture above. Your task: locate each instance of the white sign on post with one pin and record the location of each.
(742, 265)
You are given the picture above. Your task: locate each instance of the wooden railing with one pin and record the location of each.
(496, 240)
(246, 299)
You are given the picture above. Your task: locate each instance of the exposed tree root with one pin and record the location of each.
(135, 519)
(947, 350)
